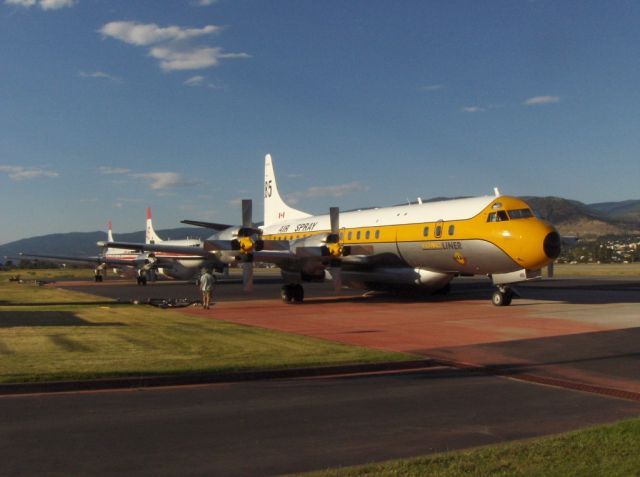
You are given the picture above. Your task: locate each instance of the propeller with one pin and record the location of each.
(247, 241)
(335, 248)
(247, 244)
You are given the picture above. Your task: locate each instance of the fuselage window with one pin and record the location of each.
(520, 214)
(377, 234)
(349, 235)
(341, 236)
(425, 231)
(452, 229)
(367, 234)
(358, 235)
(438, 231)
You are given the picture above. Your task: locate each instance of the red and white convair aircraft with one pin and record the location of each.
(182, 265)
(421, 246)
(179, 259)
(109, 258)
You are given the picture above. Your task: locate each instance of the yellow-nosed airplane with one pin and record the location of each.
(423, 245)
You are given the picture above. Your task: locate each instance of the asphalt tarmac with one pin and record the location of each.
(579, 338)
(283, 426)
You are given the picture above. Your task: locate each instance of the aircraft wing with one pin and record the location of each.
(157, 247)
(95, 259)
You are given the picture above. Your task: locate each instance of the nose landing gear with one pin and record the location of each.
(502, 296)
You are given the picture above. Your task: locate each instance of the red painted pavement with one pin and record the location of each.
(513, 340)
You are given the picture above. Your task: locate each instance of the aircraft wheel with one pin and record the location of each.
(286, 293)
(298, 293)
(501, 298)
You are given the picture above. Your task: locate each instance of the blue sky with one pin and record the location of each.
(108, 107)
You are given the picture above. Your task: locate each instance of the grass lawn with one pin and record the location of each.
(29, 292)
(83, 341)
(597, 270)
(609, 450)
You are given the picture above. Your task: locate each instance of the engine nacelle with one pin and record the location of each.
(314, 246)
(145, 261)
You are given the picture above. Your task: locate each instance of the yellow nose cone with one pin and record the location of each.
(531, 243)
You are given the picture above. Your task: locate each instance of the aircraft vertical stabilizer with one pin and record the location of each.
(275, 210)
(150, 234)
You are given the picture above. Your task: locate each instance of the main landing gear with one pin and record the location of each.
(292, 293)
(502, 296)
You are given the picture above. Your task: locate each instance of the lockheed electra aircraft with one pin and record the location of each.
(417, 246)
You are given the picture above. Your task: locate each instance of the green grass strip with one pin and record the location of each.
(609, 450)
(87, 342)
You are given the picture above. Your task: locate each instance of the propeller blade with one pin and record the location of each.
(334, 269)
(247, 276)
(336, 274)
(247, 213)
(334, 217)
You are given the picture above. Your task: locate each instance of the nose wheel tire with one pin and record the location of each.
(502, 297)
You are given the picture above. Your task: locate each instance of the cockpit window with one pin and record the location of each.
(520, 214)
(499, 216)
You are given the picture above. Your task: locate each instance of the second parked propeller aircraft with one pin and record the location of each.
(423, 245)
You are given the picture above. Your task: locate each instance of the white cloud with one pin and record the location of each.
(164, 180)
(140, 34)
(171, 45)
(537, 100)
(172, 59)
(473, 109)
(195, 81)
(19, 173)
(43, 4)
(55, 4)
(155, 180)
(205, 3)
(106, 170)
(21, 3)
(201, 81)
(338, 190)
(99, 75)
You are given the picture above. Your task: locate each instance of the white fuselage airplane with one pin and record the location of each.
(109, 258)
(179, 265)
(179, 259)
(422, 245)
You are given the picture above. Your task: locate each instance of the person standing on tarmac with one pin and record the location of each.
(206, 283)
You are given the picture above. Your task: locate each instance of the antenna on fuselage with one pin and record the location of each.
(496, 191)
